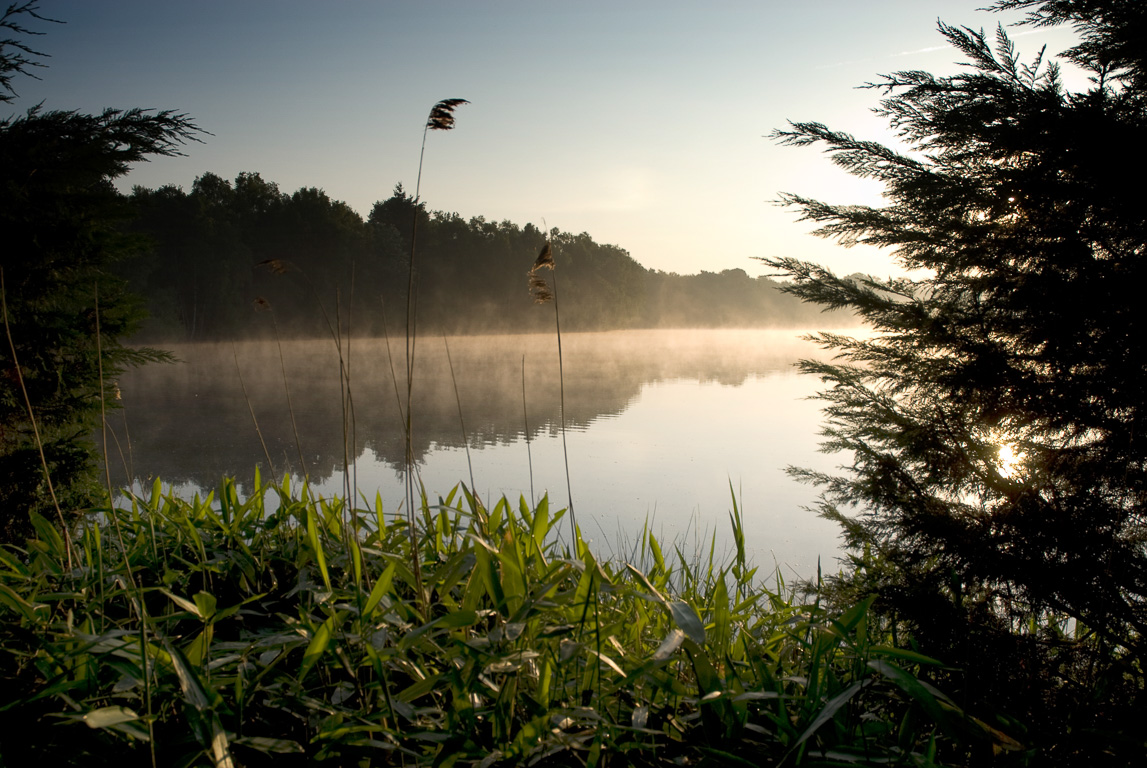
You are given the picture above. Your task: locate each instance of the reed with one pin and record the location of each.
(262, 305)
(441, 118)
(461, 419)
(543, 293)
(32, 415)
(271, 632)
(526, 433)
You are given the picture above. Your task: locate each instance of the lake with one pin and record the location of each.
(659, 424)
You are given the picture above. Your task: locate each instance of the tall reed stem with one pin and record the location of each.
(461, 421)
(562, 409)
(543, 293)
(138, 599)
(526, 426)
(441, 118)
(32, 419)
(250, 407)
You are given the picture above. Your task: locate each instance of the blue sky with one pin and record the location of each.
(644, 123)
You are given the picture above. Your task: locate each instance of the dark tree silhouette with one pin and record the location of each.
(60, 217)
(996, 418)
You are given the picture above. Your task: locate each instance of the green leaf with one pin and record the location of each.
(319, 642)
(721, 618)
(316, 546)
(728, 758)
(189, 682)
(850, 618)
(48, 535)
(658, 557)
(608, 661)
(419, 688)
(830, 709)
(669, 645)
(906, 655)
(926, 695)
(687, 619)
(13, 600)
(197, 649)
(106, 717)
(206, 603)
(452, 620)
(645, 581)
(183, 603)
(264, 744)
(381, 587)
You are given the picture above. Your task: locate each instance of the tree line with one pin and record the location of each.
(241, 258)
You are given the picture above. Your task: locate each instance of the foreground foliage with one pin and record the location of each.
(234, 632)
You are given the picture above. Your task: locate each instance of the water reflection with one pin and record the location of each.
(660, 422)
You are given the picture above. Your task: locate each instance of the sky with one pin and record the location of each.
(644, 123)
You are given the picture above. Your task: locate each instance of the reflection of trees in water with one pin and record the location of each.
(191, 423)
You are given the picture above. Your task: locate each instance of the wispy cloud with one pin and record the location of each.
(918, 51)
(929, 49)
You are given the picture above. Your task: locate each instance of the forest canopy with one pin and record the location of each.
(226, 250)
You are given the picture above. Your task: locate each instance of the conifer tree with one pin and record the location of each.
(61, 222)
(994, 420)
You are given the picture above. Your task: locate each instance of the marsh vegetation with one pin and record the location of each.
(993, 603)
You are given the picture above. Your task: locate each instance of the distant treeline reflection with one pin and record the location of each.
(191, 422)
(226, 249)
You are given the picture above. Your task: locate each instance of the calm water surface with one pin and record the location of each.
(659, 425)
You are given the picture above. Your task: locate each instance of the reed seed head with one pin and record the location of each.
(539, 288)
(545, 258)
(442, 114)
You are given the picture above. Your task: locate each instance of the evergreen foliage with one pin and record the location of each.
(60, 217)
(995, 417)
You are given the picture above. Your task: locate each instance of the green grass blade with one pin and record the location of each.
(319, 642)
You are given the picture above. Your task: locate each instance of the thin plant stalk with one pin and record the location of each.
(526, 426)
(543, 292)
(441, 118)
(390, 361)
(562, 409)
(262, 303)
(394, 379)
(250, 407)
(103, 403)
(125, 459)
(282, 267)
(461, 421)
(350, 400)
(32, 418)
(138, 601)
(130, 458)
(408, 420)
(345, 396)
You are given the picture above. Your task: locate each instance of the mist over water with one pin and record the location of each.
(659, 423)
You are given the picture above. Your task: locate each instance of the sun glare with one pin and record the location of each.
(1009, 460)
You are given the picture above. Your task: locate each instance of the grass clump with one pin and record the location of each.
(224, 631)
